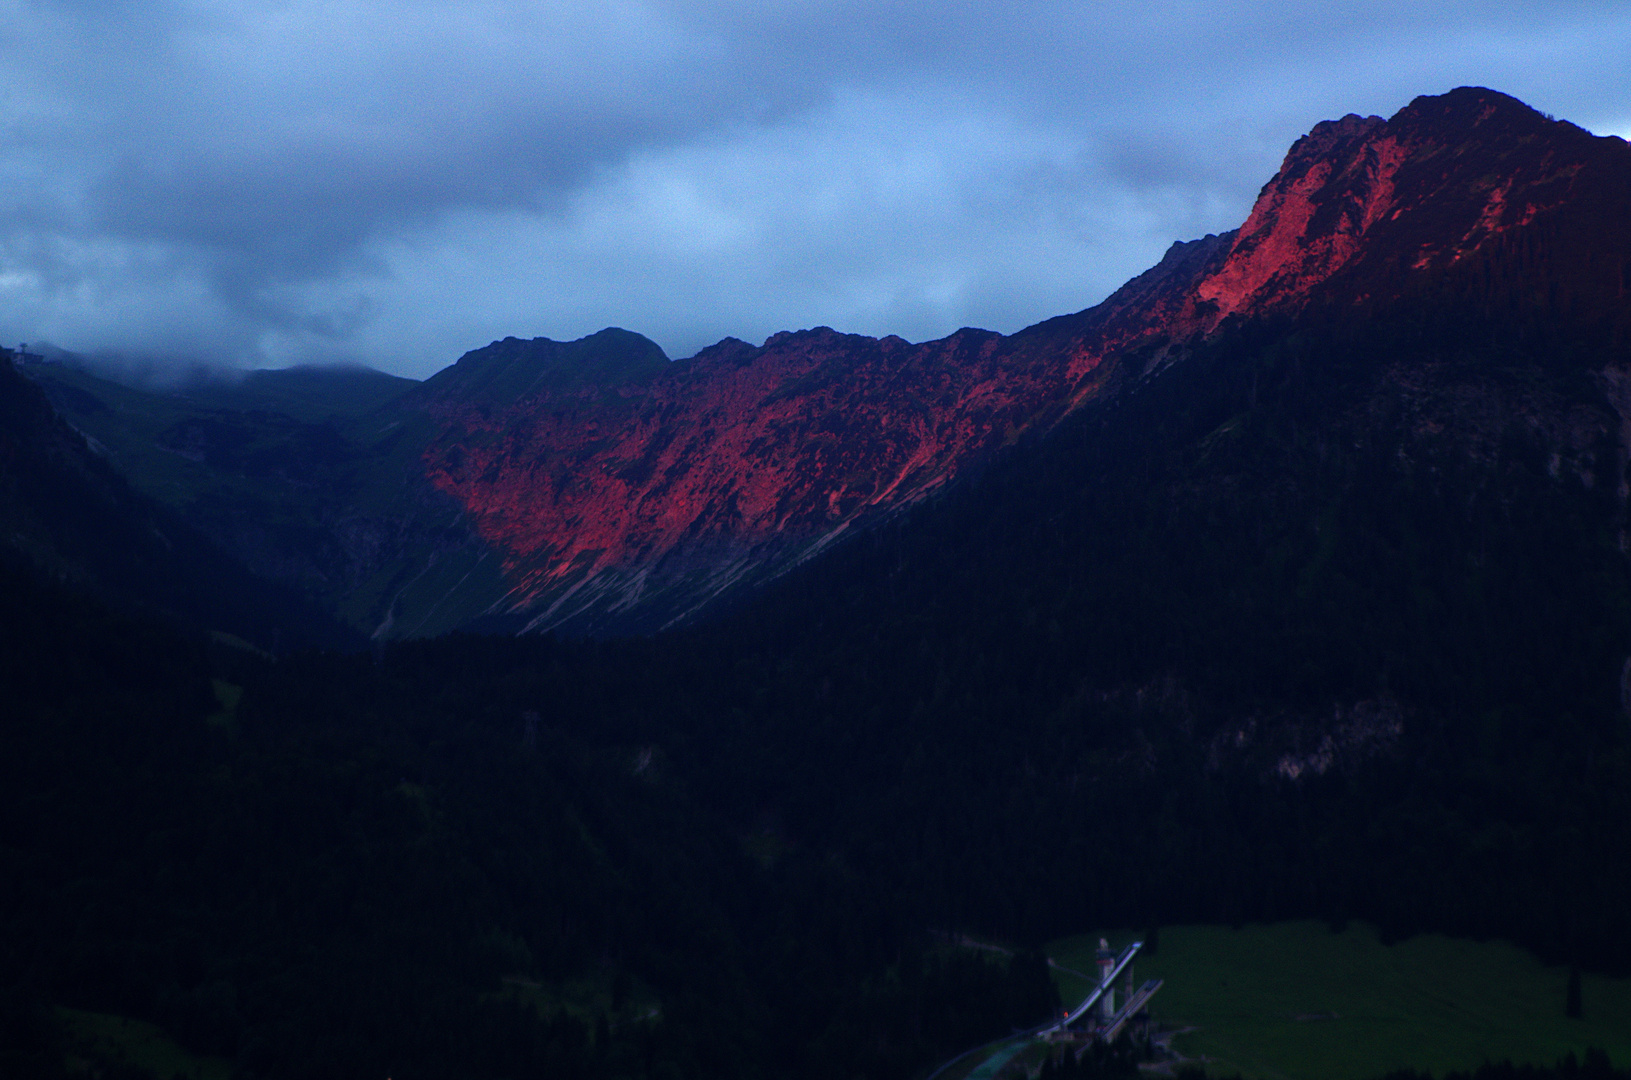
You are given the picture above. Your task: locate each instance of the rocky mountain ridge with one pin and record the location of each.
(597, 487)
(689, 478)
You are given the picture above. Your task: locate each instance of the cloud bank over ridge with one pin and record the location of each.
(250, 182)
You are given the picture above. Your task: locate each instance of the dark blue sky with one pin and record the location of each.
(253, 182)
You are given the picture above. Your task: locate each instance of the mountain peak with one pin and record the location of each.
(1380, 200)
(1459, 112)
(512, 369)
(1330, 137)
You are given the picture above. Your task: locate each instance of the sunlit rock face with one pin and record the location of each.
(627, 492)
(661, 488)
(1367, 211)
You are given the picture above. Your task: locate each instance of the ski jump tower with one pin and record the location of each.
(1097, 1017)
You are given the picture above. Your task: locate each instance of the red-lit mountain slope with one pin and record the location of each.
(652, 487)
(625, 489)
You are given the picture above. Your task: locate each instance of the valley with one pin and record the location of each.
(1295, 1000)
(1292, 1001)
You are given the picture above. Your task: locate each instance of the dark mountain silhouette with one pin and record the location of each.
(68, 514)
(295, 473)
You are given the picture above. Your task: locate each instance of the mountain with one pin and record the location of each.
(654, 490)
(1327, 613)
(69, 516)
(597, 487)
(308, 394)
(1321, 608)
(296, 474)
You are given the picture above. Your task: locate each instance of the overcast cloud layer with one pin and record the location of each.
(266, 182)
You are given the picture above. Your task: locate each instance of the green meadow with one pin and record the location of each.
(97, 1040)
(1294, 1001)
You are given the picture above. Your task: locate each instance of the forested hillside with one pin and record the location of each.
(1331, 621)
(1331, 626)
(68, 512)
(331, 867)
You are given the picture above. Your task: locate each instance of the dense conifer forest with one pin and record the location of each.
(1329, 627)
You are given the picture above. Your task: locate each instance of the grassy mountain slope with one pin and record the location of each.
(65, 510)
(308, 477)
